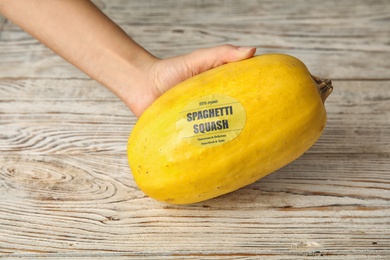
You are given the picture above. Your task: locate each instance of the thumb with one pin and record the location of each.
(169, 72)
(204, 59)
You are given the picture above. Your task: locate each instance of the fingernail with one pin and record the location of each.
(245, 48)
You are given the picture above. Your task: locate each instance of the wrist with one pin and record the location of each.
(128, 74)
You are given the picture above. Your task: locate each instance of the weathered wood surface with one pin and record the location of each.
(65, 186)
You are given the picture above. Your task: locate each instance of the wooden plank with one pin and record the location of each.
(71, 112)
(358, 118)
(62, 116)
(53, 89)
(2, 24)
(303, 209)
(335, 39)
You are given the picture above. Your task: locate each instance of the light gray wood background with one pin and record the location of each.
(65, 186)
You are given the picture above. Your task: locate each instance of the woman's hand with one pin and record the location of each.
(166, 73)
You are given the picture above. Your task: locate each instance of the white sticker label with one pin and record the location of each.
(211, 120)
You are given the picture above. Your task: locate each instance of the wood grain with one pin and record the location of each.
(71, 205)
(337, 39)
(66, 190)
(358, 118)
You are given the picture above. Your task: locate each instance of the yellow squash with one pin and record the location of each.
(227, 128)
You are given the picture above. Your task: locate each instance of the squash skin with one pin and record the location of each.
(285, 116)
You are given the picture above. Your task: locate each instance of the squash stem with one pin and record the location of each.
(324, 86)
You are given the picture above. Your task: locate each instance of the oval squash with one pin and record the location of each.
(226, 128)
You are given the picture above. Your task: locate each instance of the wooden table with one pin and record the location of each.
(65, 186)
